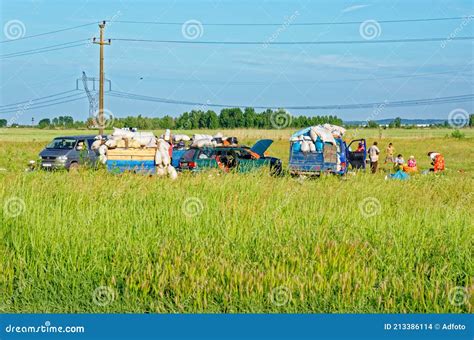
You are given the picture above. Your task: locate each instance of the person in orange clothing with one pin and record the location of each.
(437, 160)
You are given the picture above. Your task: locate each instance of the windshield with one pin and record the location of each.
(189, 155)
(62, 143)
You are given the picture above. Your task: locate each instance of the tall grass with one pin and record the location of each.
(95, 242)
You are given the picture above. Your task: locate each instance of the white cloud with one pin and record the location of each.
(353, 8)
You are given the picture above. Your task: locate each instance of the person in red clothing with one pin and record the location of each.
(360, 148)
(437, 160)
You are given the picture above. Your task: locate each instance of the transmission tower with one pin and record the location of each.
(93, 104)
(92, 95)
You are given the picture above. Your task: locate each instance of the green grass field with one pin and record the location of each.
(94, 242)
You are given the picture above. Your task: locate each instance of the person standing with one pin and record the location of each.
(390, 152)
(374, 157)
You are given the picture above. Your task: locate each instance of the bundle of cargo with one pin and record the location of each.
(201, 140)
(139, 152)
(163, 160)
(123, 138)
(318, 149)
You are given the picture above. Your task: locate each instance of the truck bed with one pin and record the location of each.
(135, 160)
(309, 162)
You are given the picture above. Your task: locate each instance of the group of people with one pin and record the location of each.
(437, 160)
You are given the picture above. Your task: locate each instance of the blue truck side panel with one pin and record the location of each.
(139, 167)
(314, 161)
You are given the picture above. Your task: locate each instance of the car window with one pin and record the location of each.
(242, 154)
(62, 143)
(89, 143)
(205, 154)
(189, 155)
(81, 142)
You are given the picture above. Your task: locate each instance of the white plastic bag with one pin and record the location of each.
(179, 138)
(203, 142)
(103, 150)
(165, 158)
(172, 172)
(312, 147)
(199, 136)
(96, 144)
(160, 171)
(304, 146)
(158, 158)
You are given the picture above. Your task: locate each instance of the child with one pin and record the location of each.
(411, 165)
(399, 161)
(412, 162)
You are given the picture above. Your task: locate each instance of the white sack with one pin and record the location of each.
(160, 171)
(336, 131)
(96, 144)
(198, 137)
(158, 158)
(323, 133)
(304, 146)
(103, 150)
(179, 138)
(172, 172)
(111, 143)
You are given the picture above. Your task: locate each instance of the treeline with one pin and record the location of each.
(227, 119)
(199, 119)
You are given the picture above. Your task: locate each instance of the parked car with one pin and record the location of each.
(320, 161)
(230, 158)
(68, 152)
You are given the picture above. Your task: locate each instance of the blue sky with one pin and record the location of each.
(245, 75)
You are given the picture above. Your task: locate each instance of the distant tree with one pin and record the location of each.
(44, 123)
(372, 124)
(167, 122)
(3, 122)
(397, 122)
(471, 120)
(249, 117)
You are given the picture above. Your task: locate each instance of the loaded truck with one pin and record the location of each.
(326, 154)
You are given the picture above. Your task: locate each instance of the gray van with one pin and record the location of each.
(68, 152)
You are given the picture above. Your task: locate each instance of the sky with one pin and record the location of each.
(244, 75)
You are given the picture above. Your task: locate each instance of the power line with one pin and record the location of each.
(43, 48)
(41, 51)
(26, 108)
(334, 42)
(400, 103)
(293, 23)
(47, 33)
(414, 75)
(38, 99)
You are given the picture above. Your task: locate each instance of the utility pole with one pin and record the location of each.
(101, 43)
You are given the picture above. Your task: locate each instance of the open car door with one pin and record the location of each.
(261, 146)
(355, 156)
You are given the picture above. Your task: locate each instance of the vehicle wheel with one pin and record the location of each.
(276, 169)
(74, 166)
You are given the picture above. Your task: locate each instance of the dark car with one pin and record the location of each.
(68, 152)
(230, 158)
